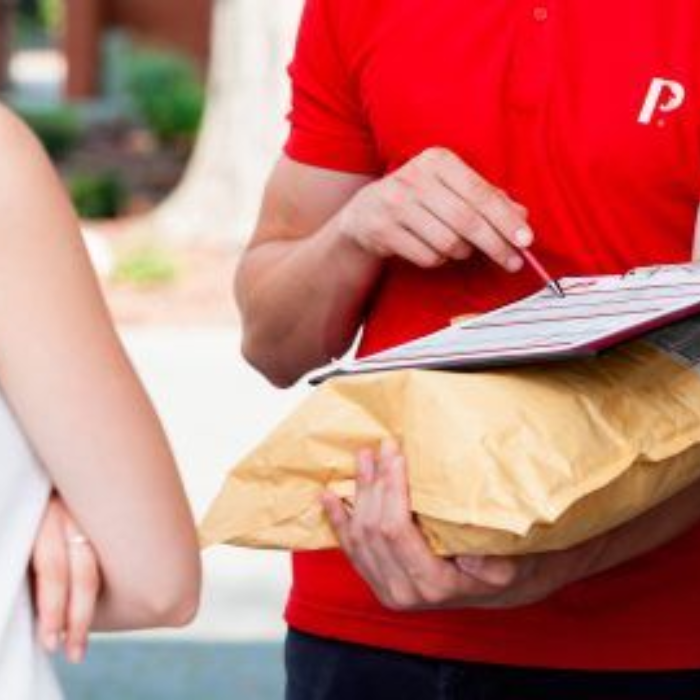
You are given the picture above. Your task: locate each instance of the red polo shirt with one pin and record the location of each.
(588, 113)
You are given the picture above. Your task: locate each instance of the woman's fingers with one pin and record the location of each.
(84, 592)
(51, 577)
(66, 581)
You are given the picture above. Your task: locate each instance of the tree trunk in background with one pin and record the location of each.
(243, 127)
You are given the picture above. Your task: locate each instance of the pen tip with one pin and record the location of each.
(556, 288)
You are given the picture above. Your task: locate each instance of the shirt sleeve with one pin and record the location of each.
(327, 126)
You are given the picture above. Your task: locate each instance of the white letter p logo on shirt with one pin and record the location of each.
(663, 96)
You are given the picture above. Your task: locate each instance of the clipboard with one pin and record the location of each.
(596, 313)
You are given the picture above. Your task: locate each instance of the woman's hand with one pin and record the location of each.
(434, 209)
(390, 553)
(66, 582)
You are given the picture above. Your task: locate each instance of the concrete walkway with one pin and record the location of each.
(214, 409)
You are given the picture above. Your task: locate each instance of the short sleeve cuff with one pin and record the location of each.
(324, 151)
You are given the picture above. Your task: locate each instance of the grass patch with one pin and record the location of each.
(147, 265)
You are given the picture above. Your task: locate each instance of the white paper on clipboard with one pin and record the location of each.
(596, 313)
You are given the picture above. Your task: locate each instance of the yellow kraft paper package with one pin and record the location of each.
(500, 462)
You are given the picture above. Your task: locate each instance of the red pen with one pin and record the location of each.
(537, 266)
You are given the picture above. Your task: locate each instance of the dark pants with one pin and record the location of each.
(320, 669)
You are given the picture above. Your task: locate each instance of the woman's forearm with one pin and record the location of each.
(79, 402)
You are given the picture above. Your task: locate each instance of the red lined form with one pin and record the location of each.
(596, 313)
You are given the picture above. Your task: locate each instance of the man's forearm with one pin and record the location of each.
(653, 529)
(302, 300)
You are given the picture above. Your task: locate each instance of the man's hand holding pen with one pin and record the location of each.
(435, 209)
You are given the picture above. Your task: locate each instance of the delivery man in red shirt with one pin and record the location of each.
(430, 143)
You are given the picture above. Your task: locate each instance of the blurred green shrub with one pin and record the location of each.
(146, 265)
(58, 128)
(97, 195)
(167, 93)
(51, 15)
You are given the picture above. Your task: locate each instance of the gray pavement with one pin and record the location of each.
(155, 670)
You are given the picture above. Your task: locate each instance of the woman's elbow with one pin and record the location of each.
(181, 608)
(179, 612)
(174, 600)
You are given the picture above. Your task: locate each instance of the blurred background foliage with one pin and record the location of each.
(50, 15)
(116, 91)
(39, 22)
(58, 127)
(166, 93)
(123, 152)
(97, 195)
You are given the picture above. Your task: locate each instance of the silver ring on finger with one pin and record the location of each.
(77, 540)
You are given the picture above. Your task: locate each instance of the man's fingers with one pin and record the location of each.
(436, 233)
(504, 216)
(404, 243)
(437, 581)
(427, 573)
(342, 524)
(494, 571)
(370, 553)
(338, 517)
(52, 580)
(392, 470)
(388, 550)
(373, 555)
(434, 209)
(482, 235)
(452, 223)
(335, 511)
(411, 549)
(365, 508)
(84, 591)
(361, 536)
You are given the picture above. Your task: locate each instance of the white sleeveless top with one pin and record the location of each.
(25, 672)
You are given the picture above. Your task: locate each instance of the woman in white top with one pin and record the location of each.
(73, 417)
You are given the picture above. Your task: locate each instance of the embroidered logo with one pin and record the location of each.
(663, 96)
